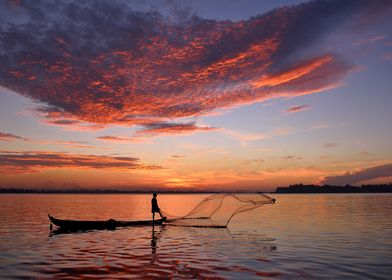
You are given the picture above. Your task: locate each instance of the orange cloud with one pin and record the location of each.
(292, 74)
(142, 69)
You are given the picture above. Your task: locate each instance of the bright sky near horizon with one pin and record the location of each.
(201, 95)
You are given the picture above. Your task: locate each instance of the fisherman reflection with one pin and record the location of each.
(153, 241)
(155, 235)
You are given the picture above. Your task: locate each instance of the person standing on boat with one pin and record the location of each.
(155, 207)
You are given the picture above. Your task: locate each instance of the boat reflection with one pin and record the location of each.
(60, 231)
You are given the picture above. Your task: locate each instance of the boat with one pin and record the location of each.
(109, 224)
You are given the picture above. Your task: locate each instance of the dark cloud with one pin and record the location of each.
(158, 128)
(64, 122)
(291, 157)
(356, 177)
(298, 108)
(31, 162)
(171, 128)
(75, 144)
(330, 145)
(100, 62)
(10, 136)
(252, 161)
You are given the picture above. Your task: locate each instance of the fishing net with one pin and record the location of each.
(217, 210)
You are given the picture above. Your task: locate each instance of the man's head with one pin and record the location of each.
(154, 194)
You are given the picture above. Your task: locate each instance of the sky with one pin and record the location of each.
(195, 95)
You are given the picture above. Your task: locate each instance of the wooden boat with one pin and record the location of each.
(109, 224)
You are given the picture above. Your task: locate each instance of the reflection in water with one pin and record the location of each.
(156, 232)
(153, 242)
(174, 252)
(307, 236)
(59, 231)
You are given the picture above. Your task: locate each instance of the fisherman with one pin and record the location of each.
(155, 207)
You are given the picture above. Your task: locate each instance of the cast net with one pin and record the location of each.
(217, 210)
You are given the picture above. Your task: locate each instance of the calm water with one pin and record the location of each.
(301, 236)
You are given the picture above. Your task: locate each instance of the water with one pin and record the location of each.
(327, 236)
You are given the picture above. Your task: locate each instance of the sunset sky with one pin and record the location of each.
(198, 95)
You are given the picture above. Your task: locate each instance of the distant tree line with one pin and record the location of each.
(301, 188)
(94, 191)
(296, 188)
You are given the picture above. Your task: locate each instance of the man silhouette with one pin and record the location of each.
(155, 207)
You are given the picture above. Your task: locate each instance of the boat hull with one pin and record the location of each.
(109, 224)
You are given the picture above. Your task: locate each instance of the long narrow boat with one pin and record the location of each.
(109, 224)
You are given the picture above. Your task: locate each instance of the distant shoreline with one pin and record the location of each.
(292, 189)
(84, 191)
(300, 188)
(105, 191)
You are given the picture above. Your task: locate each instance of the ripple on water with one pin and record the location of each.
(317, 237)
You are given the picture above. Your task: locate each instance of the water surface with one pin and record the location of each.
(311, 236)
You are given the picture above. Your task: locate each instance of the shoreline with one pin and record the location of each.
(292, 189)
